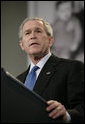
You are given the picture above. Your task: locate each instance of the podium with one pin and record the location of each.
(19, 104)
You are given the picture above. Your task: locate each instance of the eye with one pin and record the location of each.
(27, 33)
(38, 31)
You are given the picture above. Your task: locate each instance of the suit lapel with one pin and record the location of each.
(45, 75)
(23, 76)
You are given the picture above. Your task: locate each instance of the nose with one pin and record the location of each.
(33, 36)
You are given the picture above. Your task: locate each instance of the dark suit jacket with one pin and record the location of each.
(62, 80)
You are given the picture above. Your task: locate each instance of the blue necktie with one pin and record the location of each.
(31, 78)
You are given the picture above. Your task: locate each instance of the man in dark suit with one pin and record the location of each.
(59, 81)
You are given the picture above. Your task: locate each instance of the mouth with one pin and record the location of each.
(33, 44)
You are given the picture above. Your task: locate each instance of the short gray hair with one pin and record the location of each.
(48, 28)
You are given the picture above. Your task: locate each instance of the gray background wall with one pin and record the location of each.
(12, 14)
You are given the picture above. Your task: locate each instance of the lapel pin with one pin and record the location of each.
(48, 73)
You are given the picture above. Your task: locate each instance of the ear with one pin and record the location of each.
(51, 40)
(21, 45)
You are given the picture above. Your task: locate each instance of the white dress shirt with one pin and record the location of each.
(40, 64)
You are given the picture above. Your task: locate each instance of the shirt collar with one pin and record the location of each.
(42, 62)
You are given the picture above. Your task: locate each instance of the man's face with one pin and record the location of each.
(35, 41)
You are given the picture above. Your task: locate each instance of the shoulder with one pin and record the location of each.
(73, 68)
(66, 62)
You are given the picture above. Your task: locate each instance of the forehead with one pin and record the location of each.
(33, 24)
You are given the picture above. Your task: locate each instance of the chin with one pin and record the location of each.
(35, 53)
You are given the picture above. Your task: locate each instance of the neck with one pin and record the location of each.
(36, 59)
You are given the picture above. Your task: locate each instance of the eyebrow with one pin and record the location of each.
(27, 30)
